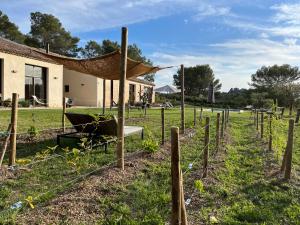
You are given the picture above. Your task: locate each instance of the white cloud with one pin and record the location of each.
(287, 13)
(233, 62)
(211, 10)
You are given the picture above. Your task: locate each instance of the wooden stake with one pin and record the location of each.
(13, 136)
(175, 172)
(206, 147)
(257, 121)
(195, 115)
(297, 116)
(225, 119)
(222, 124)
(5, 144)
(262, 125)
(104, 96)
(182, 203)
(162, 126)
(289, 150)
(218, 132)
(121, 119)
(63, 115)
(270, 133)
(182, 101)
(201, 115)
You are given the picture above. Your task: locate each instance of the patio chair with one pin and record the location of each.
(69, 102)
(98, 129)
(37, 101)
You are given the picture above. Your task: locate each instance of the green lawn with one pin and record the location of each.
(239, 189)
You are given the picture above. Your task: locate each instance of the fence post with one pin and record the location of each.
(289, 151)
(121, 107)
(254, 117)
(195, 120)
(182, 203)
(225, 119)
(63, 115)
(162, 126)
(262, 125)
(222, 124)
(145, 110)
(182, 100)
(175, 172)
(218, 132)
(228, 113)
(201, 115)
(270, 133)
(297, 116)
(13, 136)
(257, 122)
(206, 148)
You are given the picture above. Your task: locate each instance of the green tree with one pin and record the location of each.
(91, 49)
(9, 30)
(46, 28)
(278, 82)
(197, 80)
(275, 76)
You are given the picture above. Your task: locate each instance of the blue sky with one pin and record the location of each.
(236, 37)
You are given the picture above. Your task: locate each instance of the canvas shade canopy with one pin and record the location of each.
(105, 67)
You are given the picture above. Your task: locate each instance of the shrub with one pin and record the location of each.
(150, 145)
(32, 132)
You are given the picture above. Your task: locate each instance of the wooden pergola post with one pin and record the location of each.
(104, 96)
(182, 100)
(121, 118)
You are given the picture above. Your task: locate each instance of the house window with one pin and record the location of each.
(67, 88)
(35, 82)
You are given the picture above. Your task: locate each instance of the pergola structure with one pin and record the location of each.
(113, 66)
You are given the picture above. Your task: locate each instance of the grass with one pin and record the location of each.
(247, 194)
(241, 192)
(45, 179)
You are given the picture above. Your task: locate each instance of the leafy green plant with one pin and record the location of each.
(32, 132)
(199, 186)
(150, 145)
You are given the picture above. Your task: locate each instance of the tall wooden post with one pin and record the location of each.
(289, 150)
(262, 125)
(195, 116)
(228, 113)
(297, 116)
(13, 136)
(121, 119)
(201, 115)
(104, 96)
(162, 126)
(175, 172)
(257, 120)
(206, 147)
(222, 124)
(218, 132)
(225, 119)
(63, 115)
(270, 133)
(182, 100)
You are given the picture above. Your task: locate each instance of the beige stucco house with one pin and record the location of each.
(28, 71)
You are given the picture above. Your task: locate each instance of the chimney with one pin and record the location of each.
(47, 47)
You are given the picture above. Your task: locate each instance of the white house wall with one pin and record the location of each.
(14, 78)
(83, 88)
